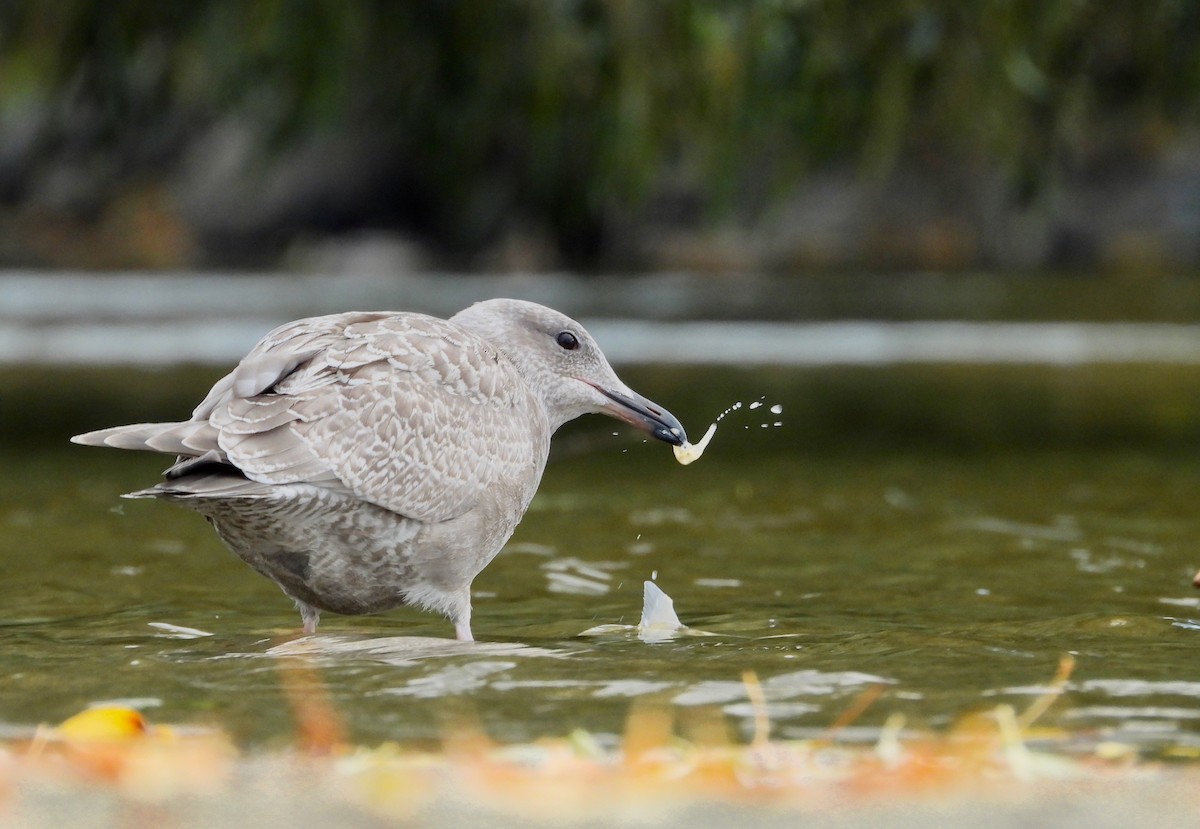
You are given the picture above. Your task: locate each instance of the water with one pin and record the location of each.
(946, 533)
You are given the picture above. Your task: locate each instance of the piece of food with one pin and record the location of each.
(692, 451)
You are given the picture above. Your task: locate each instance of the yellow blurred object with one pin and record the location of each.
(146, 763)
(103, 723)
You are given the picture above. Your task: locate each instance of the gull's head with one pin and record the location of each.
(564, 366)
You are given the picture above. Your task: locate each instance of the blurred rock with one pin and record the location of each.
(370, 254)
(246, 200)
(523, 248)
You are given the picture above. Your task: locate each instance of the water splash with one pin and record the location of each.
(691, 452)
(659, 622)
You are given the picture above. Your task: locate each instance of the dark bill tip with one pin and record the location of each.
(645, 415)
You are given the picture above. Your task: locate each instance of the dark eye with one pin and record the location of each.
(567, 340)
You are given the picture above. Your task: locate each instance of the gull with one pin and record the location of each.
(368, 460)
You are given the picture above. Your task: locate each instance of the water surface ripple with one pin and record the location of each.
(953, 581)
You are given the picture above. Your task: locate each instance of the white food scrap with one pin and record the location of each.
(690, 452)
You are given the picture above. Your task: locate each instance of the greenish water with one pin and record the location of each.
(948, 532)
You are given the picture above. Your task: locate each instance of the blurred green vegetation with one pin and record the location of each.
(582, 115)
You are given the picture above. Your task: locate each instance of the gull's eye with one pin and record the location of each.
(567, 340)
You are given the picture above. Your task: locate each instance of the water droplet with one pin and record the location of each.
(777, 409)
(777, 423)
(755, 404)
(654, 575)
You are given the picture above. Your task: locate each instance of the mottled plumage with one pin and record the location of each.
(368, 460)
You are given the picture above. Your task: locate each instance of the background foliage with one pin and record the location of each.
(582, 117)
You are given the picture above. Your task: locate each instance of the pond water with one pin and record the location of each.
(945, 532)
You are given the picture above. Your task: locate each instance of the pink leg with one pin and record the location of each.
(309, 615)
(462, 631)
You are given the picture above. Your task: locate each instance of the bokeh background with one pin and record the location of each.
(791, 135)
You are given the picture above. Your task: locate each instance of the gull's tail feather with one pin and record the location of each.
(189, 438)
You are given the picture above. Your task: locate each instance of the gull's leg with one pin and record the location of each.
(309, 615)
(461, 616)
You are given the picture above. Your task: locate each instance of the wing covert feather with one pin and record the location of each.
(409, 412)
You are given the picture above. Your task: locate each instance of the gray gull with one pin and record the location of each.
(364, 461)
